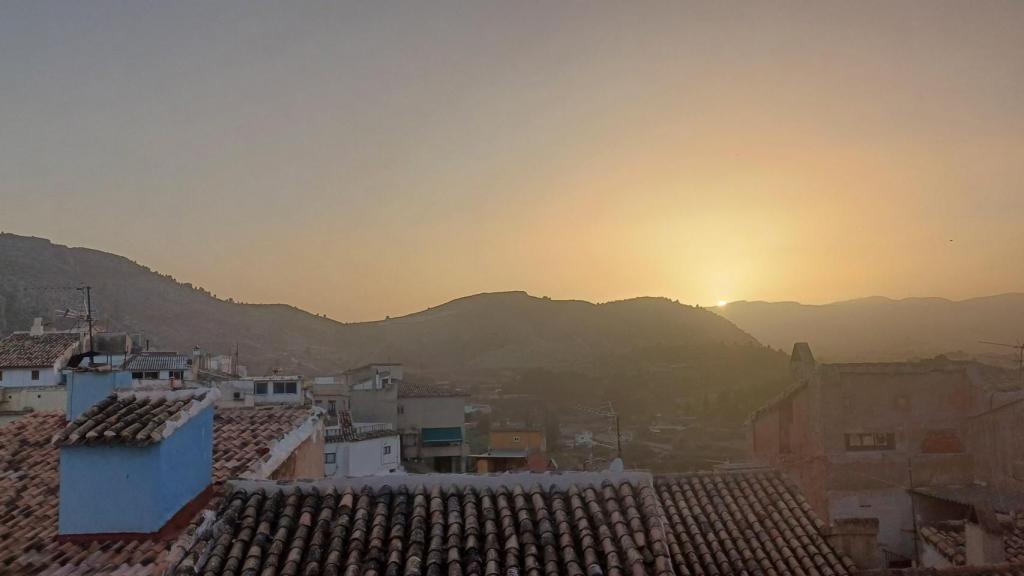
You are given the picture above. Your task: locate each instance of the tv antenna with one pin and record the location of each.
(1020, 355)
(82, 315)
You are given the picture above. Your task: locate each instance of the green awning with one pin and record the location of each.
(452, 435)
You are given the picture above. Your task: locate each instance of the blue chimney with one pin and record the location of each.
(87, 386)
(131, 462)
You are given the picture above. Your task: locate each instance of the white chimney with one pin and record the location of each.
(37, 327)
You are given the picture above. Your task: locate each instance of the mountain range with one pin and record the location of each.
(507, 333)
(879, 328)
(476, 334)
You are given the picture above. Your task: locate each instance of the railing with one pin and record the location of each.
(333, 434)
(380, 427)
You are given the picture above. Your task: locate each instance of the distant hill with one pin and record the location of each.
(879, 328)
(485, 333)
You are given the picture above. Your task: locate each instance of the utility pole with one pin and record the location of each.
(608, 412)
(618, 434)
(913, 508)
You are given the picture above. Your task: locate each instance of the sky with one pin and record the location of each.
(369, 159)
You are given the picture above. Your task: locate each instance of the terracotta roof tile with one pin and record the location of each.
(27, 351)
(755, 522)
(29, 484)
(136, 419)
(750, 523)
(720, 524)
(948, 539)
(449, 531)
(241, 436)
(419, 390)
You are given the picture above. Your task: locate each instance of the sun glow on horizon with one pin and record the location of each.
(722, 303)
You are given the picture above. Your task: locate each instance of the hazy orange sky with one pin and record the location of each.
(376, 159)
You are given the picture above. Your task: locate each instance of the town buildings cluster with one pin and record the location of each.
(116, 458)
(926, 455)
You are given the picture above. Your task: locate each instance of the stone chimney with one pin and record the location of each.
(37, 327)
(801, 362)
(983, 538)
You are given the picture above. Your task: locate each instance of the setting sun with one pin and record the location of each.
(722, 303)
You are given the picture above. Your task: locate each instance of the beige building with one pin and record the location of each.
(430, 420)
(330, 393)
(858, 437)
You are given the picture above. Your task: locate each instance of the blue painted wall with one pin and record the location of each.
(108, 489)
(88, 388)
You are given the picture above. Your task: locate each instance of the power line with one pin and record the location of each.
(1020, 355)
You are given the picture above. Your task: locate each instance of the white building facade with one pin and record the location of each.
(35, 358)
(378, 454)
(254, 391)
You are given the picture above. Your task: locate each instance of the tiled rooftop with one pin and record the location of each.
(241, 436)
(157, 361)
(744, 523)
(419, 390)
(136, 419)
(750, 523)
(29, 487)
(948, 539)
(27, 351)
(452, 530)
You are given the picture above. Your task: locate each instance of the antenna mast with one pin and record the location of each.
(88, 313)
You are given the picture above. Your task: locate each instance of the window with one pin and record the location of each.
(330, 458)
(137, 375)
(35, 374)
(1, 375)
(152, 376)
(387, 450)
(286, 387)
(515, 438)
(260, 388)
(176, 375)
(332, 407)
(870, 441)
